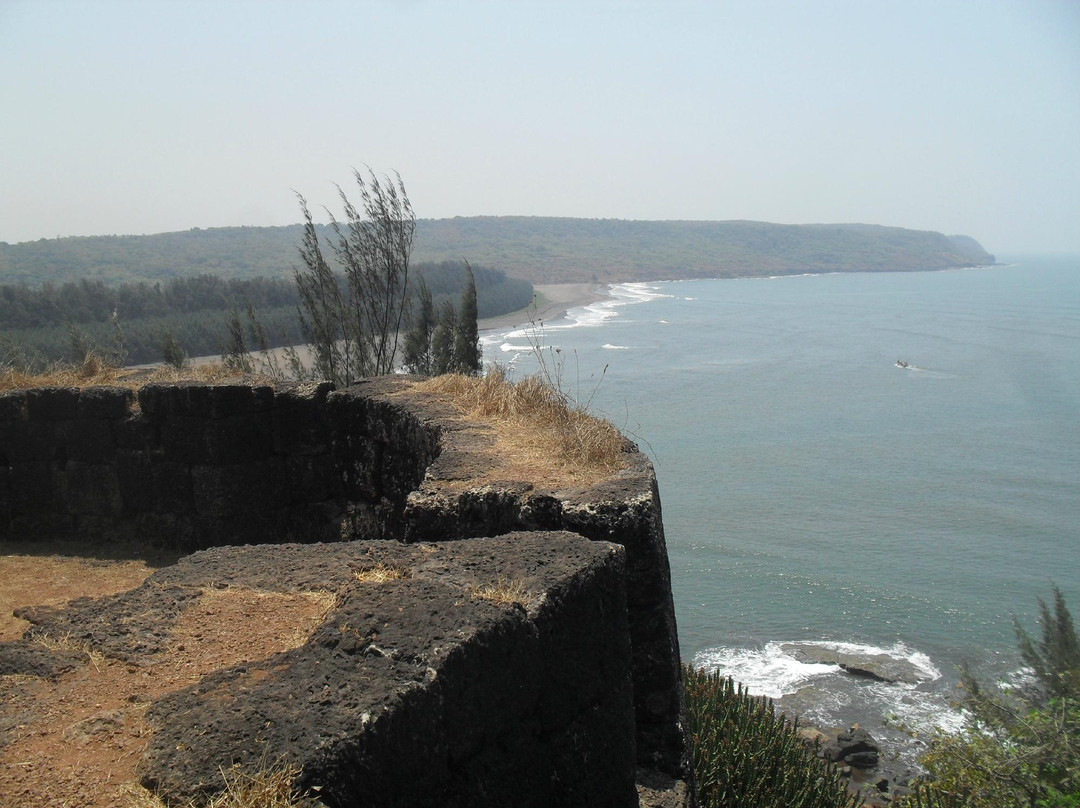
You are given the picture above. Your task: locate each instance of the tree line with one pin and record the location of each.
(55, 322)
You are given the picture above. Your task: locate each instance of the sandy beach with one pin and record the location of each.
(554, 300)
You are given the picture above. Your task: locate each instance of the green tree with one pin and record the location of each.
(443, 339)
(234, 353)
(354, 326)
(1021, 746)
(172, 353)
(418, 355)
(467, 354)
(322, 308)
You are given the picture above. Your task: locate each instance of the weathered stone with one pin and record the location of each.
(87, 440)
(28, 659)
(415, 691)
(52, 403)
(106, 403)
(13, 406)
(195, 468)
(84, 488)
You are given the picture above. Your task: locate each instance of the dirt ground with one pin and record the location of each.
(76, 741)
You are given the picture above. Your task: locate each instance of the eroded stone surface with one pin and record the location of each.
(206, 465)
(416, 690)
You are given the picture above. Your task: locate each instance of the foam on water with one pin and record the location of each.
(770, 671)
(765, 671)
(825, 695)
(543, 336)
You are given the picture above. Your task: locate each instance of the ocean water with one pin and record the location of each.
(815, 492)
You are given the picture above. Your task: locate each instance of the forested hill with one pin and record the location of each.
(538, 249)
(554, 250)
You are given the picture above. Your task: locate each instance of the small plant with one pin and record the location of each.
(379, 574)
(269, 786)
(69, 645)
(505, 592)
(172, 352)
(746, 755)
(1021, 746)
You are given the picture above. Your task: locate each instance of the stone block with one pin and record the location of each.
(150, 485)
(88, 440)
(13, 406)
(416, 692)
(219, 400)
(31, 489)
(24, 441)
(42, 526)
(105, 402)
(135, 433)
(86, 488)
(53, 403)
(237, 439)
(241, 491)
(159, 400)
(310, 478)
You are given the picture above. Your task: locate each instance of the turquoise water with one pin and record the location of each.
(815, 491)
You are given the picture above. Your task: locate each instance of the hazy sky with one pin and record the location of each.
(143, 117)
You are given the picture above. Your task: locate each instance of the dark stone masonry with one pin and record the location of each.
(434, 696)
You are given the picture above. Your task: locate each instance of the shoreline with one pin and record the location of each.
(557, 300)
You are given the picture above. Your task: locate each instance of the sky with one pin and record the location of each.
(147, 116)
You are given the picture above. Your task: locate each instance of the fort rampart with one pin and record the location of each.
(534, 696)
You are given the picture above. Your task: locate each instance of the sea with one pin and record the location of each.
(867, 463)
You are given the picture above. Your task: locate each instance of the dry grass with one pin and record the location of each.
(379, 574)
(67, 644)
(93, 372)
(504, 591)
(270, 786)
(535, 421)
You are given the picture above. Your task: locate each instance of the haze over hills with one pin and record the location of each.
(562, 250)
(537, 249)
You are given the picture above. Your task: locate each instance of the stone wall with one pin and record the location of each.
(191, 466)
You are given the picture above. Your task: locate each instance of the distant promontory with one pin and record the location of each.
(537, 249)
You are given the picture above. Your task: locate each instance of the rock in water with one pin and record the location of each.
(882, 667)
(856, 747)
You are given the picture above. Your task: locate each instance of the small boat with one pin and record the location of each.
(900, 363)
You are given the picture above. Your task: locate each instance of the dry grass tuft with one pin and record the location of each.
(271, 786)
(533, 418)
(69, 645)
(379, 574)
(93, 372)
(504, 591)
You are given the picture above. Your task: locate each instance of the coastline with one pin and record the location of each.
(556, 299)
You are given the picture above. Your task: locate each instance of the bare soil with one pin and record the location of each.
(76, 741)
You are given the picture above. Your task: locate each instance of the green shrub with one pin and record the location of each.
(746, 755)
(1021, 747)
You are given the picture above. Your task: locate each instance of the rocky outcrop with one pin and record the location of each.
(881, 667)
(196, 466)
